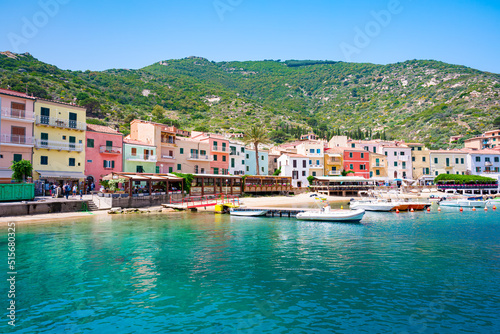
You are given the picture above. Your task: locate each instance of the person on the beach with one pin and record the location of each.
(75, 188)
(67, 190)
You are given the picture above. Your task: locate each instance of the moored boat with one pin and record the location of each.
(464, 203)
(247, 213)
(372, 205)
(348, 216)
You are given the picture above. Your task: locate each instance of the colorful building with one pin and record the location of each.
(355, 160)
(421, 161)
(219, 150)
(333, 162)
(399, 161)
(295, 166)
(489, 139)
(103, 152)
(139, 157)
(483, 162)
(251, 164)
(16, 130)
(272, 163)
(192, 156)
(162, 136)
(236, 158)
(448, 162)
(59, 153)
(314, 150)
(378, 166)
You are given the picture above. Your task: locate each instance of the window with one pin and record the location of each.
(18, 157)
(71, 162)
(395, 164)
(72, 120)
(242, 150)
(478, 169)
(456, 160)
(223, 158)
(435, 160)
(362, 167)
(90, 143)
(304, 164)
(404, 165)
(242, 162)
(72, 141)
(317, 162)
(203, 152)
(377, 172)
(395, 153)
(351, 166)
(181, 150)
(462, 161)
(248, 169)
(318, 151)
(248, 157)
(215, 157)
(108, 164)
(196, 169)
(353, 145)
(362, 155)
(412, 158)
(139, 169)
(89, 161)
(313, 173)
(179, 166)
(436, 173)
(419, 148)
(447, 162)
(487, 159)
(64, 137)
(232, 162)
(109, 143)
(303, 173)
(216, 171)
(385, 153)
(402, 153)
(157, 169)
(312, 150)
(134, 151)
(365, 148)
(45, 115)
(295, 175)
(262, 158)
(170, 169)
(262, 169)
(478, 159)
(496, 159)
(294, 163)
(44, 160)
(350, 154)
(276, 160)
(423, 159)
(202, 171)
(374, 149)
(310, 162)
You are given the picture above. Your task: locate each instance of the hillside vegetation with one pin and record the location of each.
(416, 100)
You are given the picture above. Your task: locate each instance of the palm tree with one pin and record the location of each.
(256, 135)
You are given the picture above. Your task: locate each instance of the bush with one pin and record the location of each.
(463, 179)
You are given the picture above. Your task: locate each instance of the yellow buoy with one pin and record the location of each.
(341, 207)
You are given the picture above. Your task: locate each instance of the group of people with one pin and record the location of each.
(58, 190)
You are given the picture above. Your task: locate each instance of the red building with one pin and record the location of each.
(354, 159)
(103, 152)
(219, 150)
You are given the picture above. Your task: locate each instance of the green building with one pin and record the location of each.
(139, 157)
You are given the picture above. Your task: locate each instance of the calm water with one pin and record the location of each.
(200, 273)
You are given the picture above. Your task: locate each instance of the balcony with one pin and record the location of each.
(168, 157)
(315, 166)
(219, 149)
(379, 165)
(169, 142)
(58, 145)
(18, 114)
(60, 123)
(488, 163)
(404, 158)
(110, 150)
(334, 172)
(141, 157)
(449, 167)
(199, 157)
(16, 140)
(314, 155)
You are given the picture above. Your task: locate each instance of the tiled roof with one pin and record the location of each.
(293, 155)
(135, 142)
(448, 151)
(101, 128)
(14, 93)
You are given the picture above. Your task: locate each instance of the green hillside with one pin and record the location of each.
(416, 100)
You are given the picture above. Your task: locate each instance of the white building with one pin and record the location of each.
(295, 166)
(399, 164)
(236, 158)
(315, 151)
(483, 162)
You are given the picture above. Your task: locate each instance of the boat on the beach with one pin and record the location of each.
(348, 216)
(247, 213)
(464, 203)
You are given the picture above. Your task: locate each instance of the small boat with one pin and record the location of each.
(349, 216)
(247, 213)
(372, 205)
(464, 203)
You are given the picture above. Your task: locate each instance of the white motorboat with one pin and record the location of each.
(247, 213)
(373, 205)
(464, 203)
(349, 216)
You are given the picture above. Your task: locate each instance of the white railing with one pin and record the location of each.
(315, 166)
(380, 164)
(334, 172)
(200, 157)
(60, 122)
(219, 149)
(16, 139)
(314, 154)
(141, 157)
(58, 145)
(168, 142)
(164, 156)
(110, 149)
(17, 114)
(404, 158)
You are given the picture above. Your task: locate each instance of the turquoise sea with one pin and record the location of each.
(436, 272)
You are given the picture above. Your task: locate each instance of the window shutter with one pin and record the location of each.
(104, 163)
(113, 164)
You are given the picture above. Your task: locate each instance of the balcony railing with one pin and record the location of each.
(314, 154)
(110, 149)
(219, 149)
(334, 172)
(380, 164)
(58, 145)
(165, 156)
(141, 157)
(17, 114)
(17, 140)
(315, 166)
(200, 157)
(168, 142)
(60, 123)
(404, 158)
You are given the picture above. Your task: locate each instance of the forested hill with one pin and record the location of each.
(415, 100)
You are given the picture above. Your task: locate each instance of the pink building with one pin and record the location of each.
(16, 130)
(103, 152)
(219, 151)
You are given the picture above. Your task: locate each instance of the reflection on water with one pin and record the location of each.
(400, 273)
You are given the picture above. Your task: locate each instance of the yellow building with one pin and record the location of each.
(448, 162)
(333, 162)
(59, 152)
(378, 165)
(421, 161)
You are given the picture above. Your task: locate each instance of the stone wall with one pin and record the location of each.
(34, 208)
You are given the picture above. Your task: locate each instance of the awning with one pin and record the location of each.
(51, 174)
(5, 174)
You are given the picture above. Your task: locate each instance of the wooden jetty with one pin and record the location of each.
(279, 212)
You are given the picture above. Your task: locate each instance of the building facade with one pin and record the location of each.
(192, 156)
(251, 164)
(483, 162)
(103, 152)
(59, 152)
(489, 139)
(219, 150)
(356, 160)
(399, 161)
(448, 162)
(378, 166)
(139, 157)
(16, 130)
(314, 150)
(272, 163)
(333, 162)
(236, 158)
(295, 166)
(420, 159)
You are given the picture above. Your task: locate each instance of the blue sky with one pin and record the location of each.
(97, 35)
